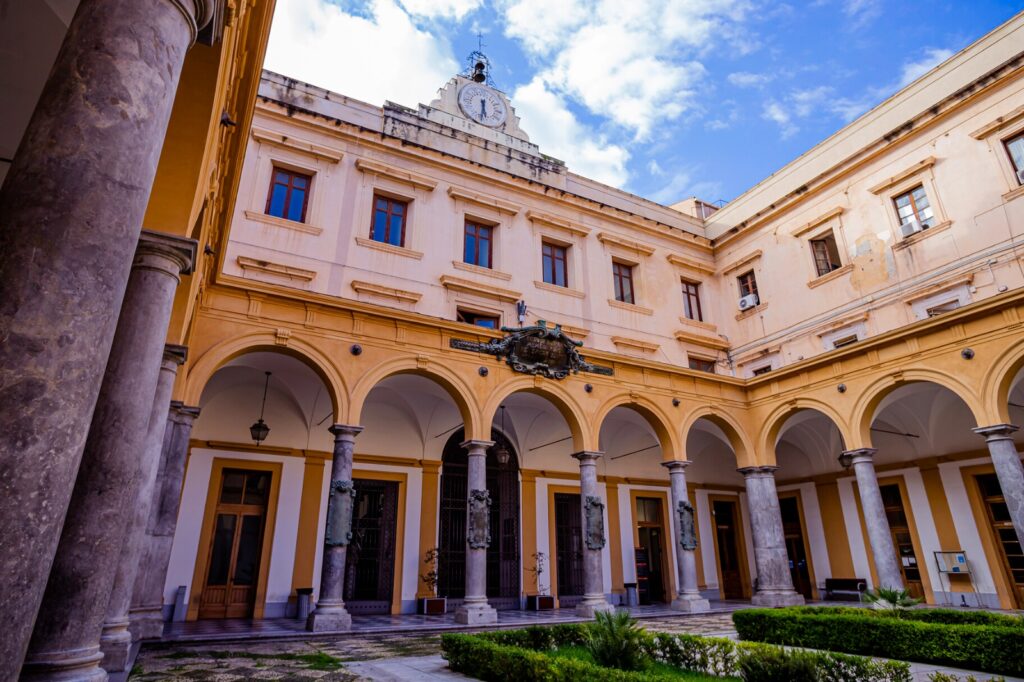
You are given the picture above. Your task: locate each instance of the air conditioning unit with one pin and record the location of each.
(749, 301)
(910, 228)
(1020, 176)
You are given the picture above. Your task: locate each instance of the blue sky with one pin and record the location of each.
(664, 98)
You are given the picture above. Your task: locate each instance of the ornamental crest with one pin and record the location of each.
(687, 530)
(339, 514)
(537, 349)
(593, 514)
(479, 532)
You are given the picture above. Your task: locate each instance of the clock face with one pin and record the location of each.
(482, 105)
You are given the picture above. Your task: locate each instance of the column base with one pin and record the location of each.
(148, 624)
(81, 665)
(591, 606)
(333, 620)
(116, 646)
(777, 598)
(476, 614)
(691, 604)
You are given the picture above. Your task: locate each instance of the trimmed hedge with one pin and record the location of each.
(928, 638)
(518, 654)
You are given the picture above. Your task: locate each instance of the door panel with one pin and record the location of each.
(795, 546)
(370, 560)
(568, 548)
(1006, 540)
(902, 539)
(726, 518)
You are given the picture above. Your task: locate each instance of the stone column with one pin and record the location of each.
(879, 535)
(1009, 470)
(474, 609)
(685, 541)
(330, 613)
(116, 641)
(594, 539)
(146, 618)
(66, 638)
(71, 209)
(774, 581)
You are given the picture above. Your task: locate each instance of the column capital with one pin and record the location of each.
(676, 465)
(767, 471)
(180, 251)
(343, 432)
(180, 412)
(176, 354)
(858, 456)
(476, 447)
(588, 456)
(997, 431)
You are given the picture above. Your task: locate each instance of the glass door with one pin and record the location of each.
(902, 539)
(1004, 533)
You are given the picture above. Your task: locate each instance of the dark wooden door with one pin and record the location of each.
(229, 588)
(568, 548)
(1004, 533)
(795, 546)
(650, 533)
(370, 560)
(726, 517)
(902, 539)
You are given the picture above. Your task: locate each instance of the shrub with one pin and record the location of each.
(891, 601)
(770, 665)
(616, 641)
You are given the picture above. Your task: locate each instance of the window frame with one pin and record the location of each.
(691, 297)
(292, 174)
(751, 285)
(478, 225)
(377, 196)
(704, 364)
(822, 241)
(545, 246)
(461, 315)
(909, 192)
(761, 371)
(623, 273)
(1007, 141)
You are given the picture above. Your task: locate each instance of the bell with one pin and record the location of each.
(478, 72)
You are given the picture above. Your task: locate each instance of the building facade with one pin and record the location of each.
(819, 380)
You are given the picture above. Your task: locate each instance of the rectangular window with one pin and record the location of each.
(388, 220)
(554, 261)
(1015, 148)
(761, 370)
(914, 205)
(946, 307)
(622, 276)
(479, 319)
(478, 244)
(845, 341)
(691, 301)
(702, 365)
(826, 254)
(289, 194)
(748, 285)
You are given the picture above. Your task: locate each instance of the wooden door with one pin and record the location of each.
(796, 548)
(726, 517)
(650, 532)
(568, 547)
(370, 559)
(229, 589)
(902, 539)
(1004, 533)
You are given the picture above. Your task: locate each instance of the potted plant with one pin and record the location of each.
(435, 605)
(542, 601)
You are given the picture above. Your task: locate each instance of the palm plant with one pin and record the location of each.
(615, 640)
(890, 600)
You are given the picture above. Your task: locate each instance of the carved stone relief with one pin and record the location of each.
(478, 534)
(339, 514)
(593, 514)
(687, 529)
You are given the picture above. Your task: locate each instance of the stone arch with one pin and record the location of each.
(867, 404)
(734, 431)
(998, 383)
(200, 372)
(775, 422)
(654, 416)
(451, 382)
(555, 394)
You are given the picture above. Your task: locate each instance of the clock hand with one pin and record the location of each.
(483, 108)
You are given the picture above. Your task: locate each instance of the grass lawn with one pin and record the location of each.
(580, 653)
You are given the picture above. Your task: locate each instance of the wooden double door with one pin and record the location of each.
(370, 559)
(568, 549)
(726, 516)
(902, 539)
(1006, 540)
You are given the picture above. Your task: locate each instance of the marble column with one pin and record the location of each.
(71, 209)
(474, 609)
(65, 642)
(688, 596)
(115, 640)
(774, 581)
(594, 538)
(887, 566)
(330, 614)
(146, 617)
(1009, 470)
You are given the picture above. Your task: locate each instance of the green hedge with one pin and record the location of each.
(946, 616)
(943, 641)
(517, 655)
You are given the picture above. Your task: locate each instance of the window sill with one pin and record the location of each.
(258, 217)
(630, 307)
(388, 248)
(747, 313)
(699, 324)
(1014, 193)
(828, 277)
(915, 238)
(477, 270)
(555, 289)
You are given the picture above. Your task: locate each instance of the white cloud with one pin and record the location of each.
(441, 9)
(541, 25)
(776, 112)
(654, 168)
(557, 131)
(862, 12)
(375, 56)
(744, 79)
(682, 186)
(914, 70)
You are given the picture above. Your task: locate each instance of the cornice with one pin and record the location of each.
(276, 269)
(277, 139)
(608, 238)
(894, 180)
(478, 199)
(387, 292)
(396, 174)
(479, 289)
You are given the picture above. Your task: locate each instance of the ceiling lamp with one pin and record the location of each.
(501, 453)
(259, 430)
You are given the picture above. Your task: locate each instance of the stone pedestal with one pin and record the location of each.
(116, 640)
(474, 609)
(684, 540)
(1009, 470)
(71, 208)
(146, 618)
(594, 537)
(774, 581)
(67, 630)
(883, 551)
(330, 614)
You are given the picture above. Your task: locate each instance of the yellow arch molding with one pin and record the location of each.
(557, 395)
(777, 419)
(997, 382)
(734, 431)
(650, 411)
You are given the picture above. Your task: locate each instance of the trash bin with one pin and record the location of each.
(631, 598)
(303, 602)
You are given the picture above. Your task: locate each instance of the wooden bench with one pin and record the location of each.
(845, 589)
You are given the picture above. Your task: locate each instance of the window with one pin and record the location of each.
(622, 276)
(388, 220)
(701, 364)
(478, 249)
(847, 340)
(554, 261)
(914, 205)
(946, 307)
(761, 370)
(748, 285)
(479, 319)
(691, 301)
(1015, 148)
(289, 193)
(826, 254)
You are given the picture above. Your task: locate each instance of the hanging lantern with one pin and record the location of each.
(501, 453)
(260, 430)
